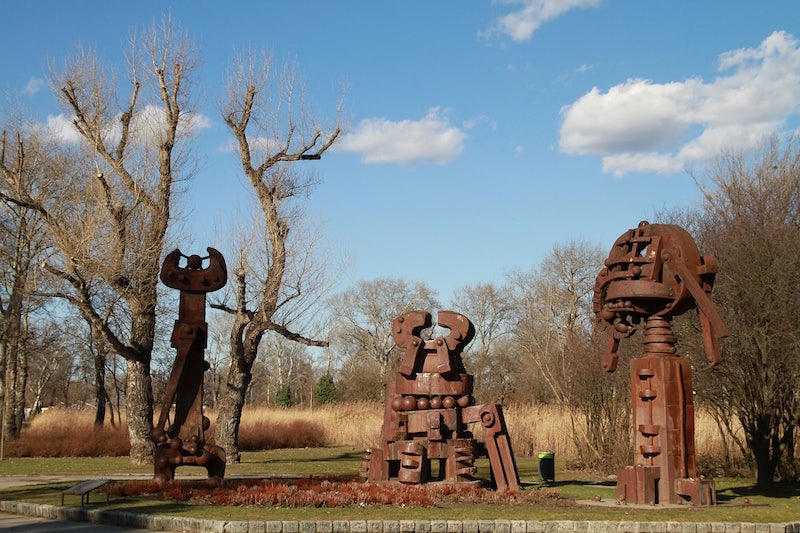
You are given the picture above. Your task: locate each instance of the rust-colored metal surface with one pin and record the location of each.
(429, 407)
(181, 439)
(653, 273)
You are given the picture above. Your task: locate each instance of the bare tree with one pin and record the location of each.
(555, 330)
(750, 221)
(54, 348)
(217, 352)
(274, 277)
(23, 245)
(553, 306)
(109, 221)
(287, 370)
(488, 357)
(362, 319)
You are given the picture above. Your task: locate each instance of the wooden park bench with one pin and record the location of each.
(85, 487)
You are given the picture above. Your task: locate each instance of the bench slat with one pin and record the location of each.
(83, 489)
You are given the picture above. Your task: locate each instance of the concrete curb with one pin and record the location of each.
(174, 523)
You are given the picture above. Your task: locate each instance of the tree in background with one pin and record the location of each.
(553, 311)
(277, 278)
(23, 246)
(489, 356)
(361, 329)
(283, 398)
(325, 390)
(554, 330)
(750, 221)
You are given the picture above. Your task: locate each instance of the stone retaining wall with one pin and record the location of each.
(173, 523)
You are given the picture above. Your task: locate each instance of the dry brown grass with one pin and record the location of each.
(271, 428)
(68, 433)
(533, 428)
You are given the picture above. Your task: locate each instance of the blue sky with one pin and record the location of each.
(480, 133)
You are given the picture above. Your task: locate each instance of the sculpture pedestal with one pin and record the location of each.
(663, 421)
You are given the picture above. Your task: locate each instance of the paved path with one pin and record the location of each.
(30, 524)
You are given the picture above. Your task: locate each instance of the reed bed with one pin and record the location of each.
(533, 428)
(68, 433)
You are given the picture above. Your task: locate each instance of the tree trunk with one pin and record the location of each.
(764, 471)
(100, 395)
(759, 440)
(230, 411)
(22, 386)
(3, 362)
(101, 399)
(10, 430)
(139, 408)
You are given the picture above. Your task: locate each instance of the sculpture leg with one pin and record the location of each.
(215, 466)
(498, 444)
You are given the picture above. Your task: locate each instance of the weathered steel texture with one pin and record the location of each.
(181, 441)
(653, 273)
(429, 407)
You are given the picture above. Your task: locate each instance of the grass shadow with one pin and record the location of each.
(778, 490)
(343, 456)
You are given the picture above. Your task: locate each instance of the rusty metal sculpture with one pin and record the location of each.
(653, 273)
(429, 407)
(182, 441)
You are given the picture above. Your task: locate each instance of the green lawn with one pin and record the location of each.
(783, 505)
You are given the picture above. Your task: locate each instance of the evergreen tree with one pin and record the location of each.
(283, 398)
(325, 391)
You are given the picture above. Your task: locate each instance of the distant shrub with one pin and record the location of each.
(273, 435)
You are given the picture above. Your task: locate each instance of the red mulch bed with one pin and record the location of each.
(330, 492)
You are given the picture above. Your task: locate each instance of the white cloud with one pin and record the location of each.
(430, 139)
(521, 25)
(641, 126)
(33, 86)
(150, 122)
(62, 129)
(147, 123)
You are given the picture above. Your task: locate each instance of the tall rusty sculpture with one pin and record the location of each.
(428, 409)
(181, 441)
(653, 273)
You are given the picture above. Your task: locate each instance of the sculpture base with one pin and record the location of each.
(639, 485)
(167, 458)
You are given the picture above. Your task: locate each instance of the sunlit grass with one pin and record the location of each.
(781, 506)
(332, 440)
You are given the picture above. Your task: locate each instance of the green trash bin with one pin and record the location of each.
(547, 466)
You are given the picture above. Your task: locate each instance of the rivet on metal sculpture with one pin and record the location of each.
(428, 408)
(181, 441)
(655, 272)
